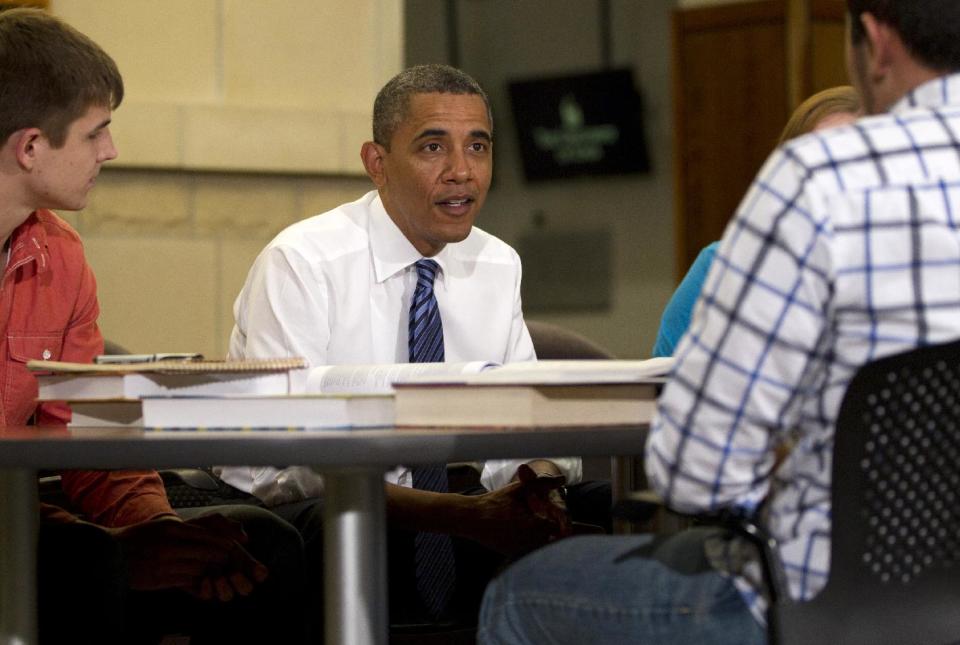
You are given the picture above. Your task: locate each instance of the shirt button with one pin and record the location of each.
(46, 354)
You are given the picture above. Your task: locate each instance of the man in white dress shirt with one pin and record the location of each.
(337, 288)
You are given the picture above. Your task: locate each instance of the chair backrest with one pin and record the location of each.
(110, 347)
(558, 343)
(555, 342)
(895, 543)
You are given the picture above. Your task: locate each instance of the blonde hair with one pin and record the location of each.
(842, 99)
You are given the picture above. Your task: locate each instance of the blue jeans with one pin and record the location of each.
(617, 589)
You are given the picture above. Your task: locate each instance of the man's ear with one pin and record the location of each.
(883, 46)
(372, 154)
(26, 143)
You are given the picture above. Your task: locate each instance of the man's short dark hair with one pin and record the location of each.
(50, 74)
(929, 28)
(390, 106)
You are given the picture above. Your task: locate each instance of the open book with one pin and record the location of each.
(541, 393)
(576, 372)
(379, 379)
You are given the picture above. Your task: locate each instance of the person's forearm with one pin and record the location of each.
(116, 498)
(420, 510)
(501, 520)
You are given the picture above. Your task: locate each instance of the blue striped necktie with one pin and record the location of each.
(433, 552)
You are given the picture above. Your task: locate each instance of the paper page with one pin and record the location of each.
(379, 379)
(182, 367)
(586, 371)
(558, 372)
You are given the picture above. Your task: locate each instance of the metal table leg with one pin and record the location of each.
(355, 560)
(18, 556)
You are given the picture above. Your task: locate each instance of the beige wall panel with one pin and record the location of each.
(156, 295)
(165, 50)
(315, 54)
(296, 78)
(137, 201)
(170, 241)
(148, 134)
(72, 218)
(236, 138)
(387, 46)
(236, 258)
(250, 206)
(356, 127)
(323, 193)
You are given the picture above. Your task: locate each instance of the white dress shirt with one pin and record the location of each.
(336, 289)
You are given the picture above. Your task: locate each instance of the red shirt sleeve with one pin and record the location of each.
(110, 498)
(118, 497)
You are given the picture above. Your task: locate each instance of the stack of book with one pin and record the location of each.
(523, 394)
(202, 394)
(284, 394)
(539, 393)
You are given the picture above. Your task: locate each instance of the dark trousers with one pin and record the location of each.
(81, 585)
(84, 597)
(475, 567)
(588, 502)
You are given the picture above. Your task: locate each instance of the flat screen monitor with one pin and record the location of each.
(585, 124)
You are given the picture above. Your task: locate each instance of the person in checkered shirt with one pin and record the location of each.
(845, 249)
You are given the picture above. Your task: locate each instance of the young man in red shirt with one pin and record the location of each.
(132, 569)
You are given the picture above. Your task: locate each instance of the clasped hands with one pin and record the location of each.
(526, 513)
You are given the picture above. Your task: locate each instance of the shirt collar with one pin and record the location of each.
(941, 91)
(392, 251)
(28, 243)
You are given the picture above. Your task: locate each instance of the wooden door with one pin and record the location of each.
(739, 70)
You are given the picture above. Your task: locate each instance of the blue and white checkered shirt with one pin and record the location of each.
(845, 249)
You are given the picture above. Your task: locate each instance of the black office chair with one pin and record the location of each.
(895, 544)
(552, 341)
(555, 342)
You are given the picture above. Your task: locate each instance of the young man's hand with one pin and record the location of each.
(203, 556)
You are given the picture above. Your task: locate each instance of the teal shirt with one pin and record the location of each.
(676, 315)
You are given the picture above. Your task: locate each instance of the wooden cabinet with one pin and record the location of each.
(739, 70)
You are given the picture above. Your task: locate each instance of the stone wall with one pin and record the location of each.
(240, 117)
(171, 249)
